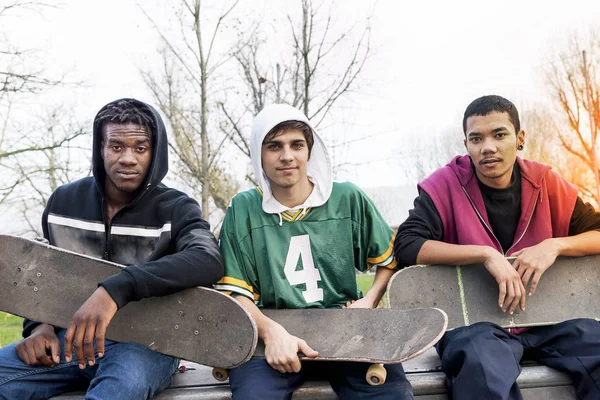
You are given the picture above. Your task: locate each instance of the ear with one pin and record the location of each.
(521, 138)
(102, 150)
(465, 143)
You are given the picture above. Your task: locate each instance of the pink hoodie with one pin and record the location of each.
(547, 203)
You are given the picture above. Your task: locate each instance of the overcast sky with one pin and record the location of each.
(431, 58)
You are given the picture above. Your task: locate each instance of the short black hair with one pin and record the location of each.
(487, 104)
(124, 112)
(285, 126)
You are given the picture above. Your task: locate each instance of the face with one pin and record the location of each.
(284, 159)
(492, 143)
(127, 154)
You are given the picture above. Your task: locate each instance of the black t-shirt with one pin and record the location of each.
(424, 222)
(503, 207)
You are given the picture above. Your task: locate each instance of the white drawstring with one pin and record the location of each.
(280, 219)
(303, 212)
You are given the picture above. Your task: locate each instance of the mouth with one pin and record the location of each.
(127, 175)
(489, 162)
(287, 169)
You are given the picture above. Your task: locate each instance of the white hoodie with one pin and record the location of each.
(319, 169)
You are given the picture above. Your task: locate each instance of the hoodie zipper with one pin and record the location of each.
(528, 222)
(481, 218)
(108, 226)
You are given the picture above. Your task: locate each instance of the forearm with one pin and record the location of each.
(584, 244)
(264, 324)
(435, 252)
(382, 277)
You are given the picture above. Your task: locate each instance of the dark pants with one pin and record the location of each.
(257, 380)
(481, 361)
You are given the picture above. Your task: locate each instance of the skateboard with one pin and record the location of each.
(569, 289)
(378, 336)
(48, 284)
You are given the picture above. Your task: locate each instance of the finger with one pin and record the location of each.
(523, 301)
(41, 355)
(55, 350)
(306, 349)
(516, 265)
(296, 365)
(78, 345)
(518, 294)
(88, 343)
(502, 294)
(534, 282)
(69, 341)
(21, 353)
(100, 336)
(526, 276)
(32, 357)
(510, 296)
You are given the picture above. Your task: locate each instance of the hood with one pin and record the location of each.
(160, 154)
(533, 171)
(319, 168)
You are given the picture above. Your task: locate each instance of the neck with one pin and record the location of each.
(116, 198)
(500, 182)
(293, 196)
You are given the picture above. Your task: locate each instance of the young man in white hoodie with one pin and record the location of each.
(296, 241)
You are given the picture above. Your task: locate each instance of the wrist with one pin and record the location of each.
(42, 328)
(268, 329)
(486, 253)
(557, 245)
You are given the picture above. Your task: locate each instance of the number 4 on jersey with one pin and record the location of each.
(309, 275)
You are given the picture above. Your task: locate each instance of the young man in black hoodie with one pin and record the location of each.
(122, 214)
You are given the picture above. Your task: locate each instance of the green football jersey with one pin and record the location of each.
(308, 258)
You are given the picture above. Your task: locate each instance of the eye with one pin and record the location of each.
(115, 148)
(272, 146)
(500, 135)
(475, 139)
(141, 149)
(298, 145)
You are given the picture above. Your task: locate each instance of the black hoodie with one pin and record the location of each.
(160, 236)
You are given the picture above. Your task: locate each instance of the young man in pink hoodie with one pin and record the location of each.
(481, 208)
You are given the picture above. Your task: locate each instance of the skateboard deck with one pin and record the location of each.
(48, 284)
(569, 289)
(365, 335)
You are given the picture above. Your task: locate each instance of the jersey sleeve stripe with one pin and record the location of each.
(384, 256)
(237, 282)
(238, 290)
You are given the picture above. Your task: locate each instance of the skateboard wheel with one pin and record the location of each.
(376, 375)
(220, 374)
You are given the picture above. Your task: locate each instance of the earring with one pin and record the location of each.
(520, 147)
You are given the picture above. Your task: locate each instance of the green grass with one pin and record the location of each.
(364, 282)
(10, 328)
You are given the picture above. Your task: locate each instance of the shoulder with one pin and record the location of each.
(247, 199)
(346, 190)
(75, 187)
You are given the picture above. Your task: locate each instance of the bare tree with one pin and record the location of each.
(322, 67)
(35, 177)
(36, 153)
(574, 80)
(425, 156)
(184, 90)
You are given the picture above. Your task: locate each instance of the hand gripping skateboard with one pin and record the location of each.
(568, 289)
(378, 336)
(48, 284)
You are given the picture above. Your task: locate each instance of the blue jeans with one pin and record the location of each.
(256, 380)
(127, 371)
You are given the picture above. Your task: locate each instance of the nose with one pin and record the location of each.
(286, 154)
(128, 157)
(488, 147)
